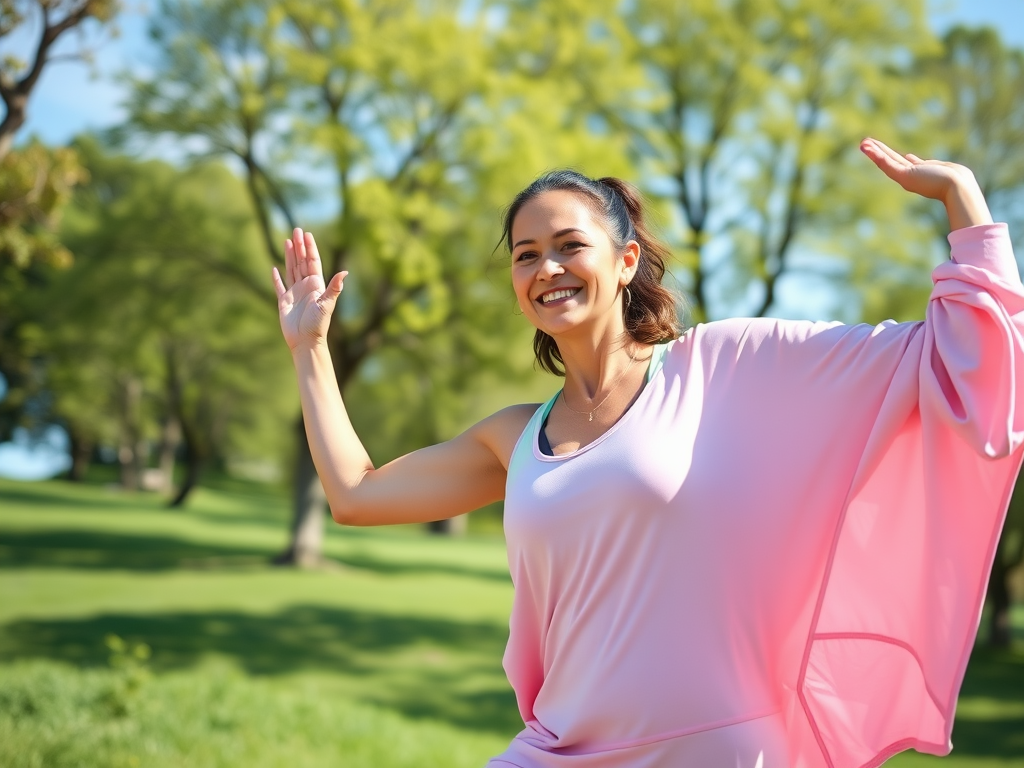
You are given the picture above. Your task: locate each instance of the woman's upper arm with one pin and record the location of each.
(439, 481)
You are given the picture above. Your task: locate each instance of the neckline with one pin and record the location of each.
(654, 368)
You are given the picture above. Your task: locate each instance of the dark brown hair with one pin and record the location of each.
(652, 314)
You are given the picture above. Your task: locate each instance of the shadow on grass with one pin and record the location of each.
(404, 568)
(420, 661)
(233, 502)
(101, 551)
(997, 676)
(122, 551)
(70, 496)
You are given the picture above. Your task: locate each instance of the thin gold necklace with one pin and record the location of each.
(590, 414)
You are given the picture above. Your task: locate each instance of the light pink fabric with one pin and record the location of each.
(777, 557)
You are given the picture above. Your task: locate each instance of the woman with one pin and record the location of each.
(764, 543)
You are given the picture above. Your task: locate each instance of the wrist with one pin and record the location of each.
(306, 350)
(965, 205)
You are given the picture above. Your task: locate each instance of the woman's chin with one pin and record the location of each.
(559, 326)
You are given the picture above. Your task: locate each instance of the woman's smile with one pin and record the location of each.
(558, 296)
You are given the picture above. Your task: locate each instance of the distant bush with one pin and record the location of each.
(56, 716)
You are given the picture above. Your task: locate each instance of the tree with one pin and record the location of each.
(749, 130)
(145, 335)
(18, 78)
(980, 111)
(35, 183)
(404, 121)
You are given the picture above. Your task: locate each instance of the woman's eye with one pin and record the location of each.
(573, 245)
(525, 255)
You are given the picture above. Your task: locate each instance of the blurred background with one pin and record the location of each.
(170, 592)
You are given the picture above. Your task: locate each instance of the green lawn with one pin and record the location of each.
(391, 659)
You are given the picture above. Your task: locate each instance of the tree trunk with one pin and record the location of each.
(170, 439)
(81, 456)
(307, 532)
(999, 602)
(128, 451)
(453, 526)
(197, 453)
(193, 471)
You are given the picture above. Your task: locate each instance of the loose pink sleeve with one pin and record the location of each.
(893, 618)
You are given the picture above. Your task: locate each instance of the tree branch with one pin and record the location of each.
(793, 212)
(15, 95)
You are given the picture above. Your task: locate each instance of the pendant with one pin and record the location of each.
(591, 416)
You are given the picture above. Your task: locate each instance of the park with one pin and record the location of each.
(173, 590)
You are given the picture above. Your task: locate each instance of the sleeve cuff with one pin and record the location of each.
(986, 246)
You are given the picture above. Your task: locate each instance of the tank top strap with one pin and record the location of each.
(657, 359)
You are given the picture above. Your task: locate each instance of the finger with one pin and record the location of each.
(334, 288)
(279, 288)
(313, 255)
(329, 297)
(337, 284)
(885, 162)
(289, 262)
(914, 158)
(892, 154)
(299, 244)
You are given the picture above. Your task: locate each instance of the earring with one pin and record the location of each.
(629, 296)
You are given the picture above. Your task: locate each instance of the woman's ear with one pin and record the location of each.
(630, 260)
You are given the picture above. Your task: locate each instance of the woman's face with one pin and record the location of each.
(565, 271)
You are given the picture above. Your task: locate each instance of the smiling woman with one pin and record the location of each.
(601, 218)
(744, 545)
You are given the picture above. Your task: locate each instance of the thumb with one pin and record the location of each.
(333, 290)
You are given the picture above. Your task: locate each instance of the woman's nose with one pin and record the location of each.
(549, 267)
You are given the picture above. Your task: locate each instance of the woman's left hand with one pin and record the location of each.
(952, 184)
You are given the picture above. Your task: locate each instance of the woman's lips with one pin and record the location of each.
(562, 294)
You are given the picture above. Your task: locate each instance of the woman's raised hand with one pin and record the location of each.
(952, 184)
(305, 304)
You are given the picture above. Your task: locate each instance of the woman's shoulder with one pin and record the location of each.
(754, 332)
(767, 343)
(501, 430)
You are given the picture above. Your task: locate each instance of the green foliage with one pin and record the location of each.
(145, 325)
(981, 115)
(750, 128)
(35, 185)
(412, 128)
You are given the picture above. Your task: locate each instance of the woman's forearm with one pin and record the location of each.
(966, 206)
(339, 455)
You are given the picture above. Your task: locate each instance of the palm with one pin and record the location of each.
(305, 303)
(929, 178)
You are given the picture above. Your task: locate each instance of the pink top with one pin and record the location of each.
(777, 557)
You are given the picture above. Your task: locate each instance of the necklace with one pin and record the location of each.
(590, 414)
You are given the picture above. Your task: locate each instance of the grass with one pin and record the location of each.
(390, 659)
(57, 716)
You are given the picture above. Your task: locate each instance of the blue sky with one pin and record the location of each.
(71, 98)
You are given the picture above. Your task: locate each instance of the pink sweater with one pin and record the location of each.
(777, 557)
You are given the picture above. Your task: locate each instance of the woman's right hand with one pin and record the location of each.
(305, 304)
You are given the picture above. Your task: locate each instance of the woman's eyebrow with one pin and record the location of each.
(559, 233)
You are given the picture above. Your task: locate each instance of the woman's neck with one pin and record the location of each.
(595, 365)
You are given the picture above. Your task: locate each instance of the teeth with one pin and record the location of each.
(555, 295)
